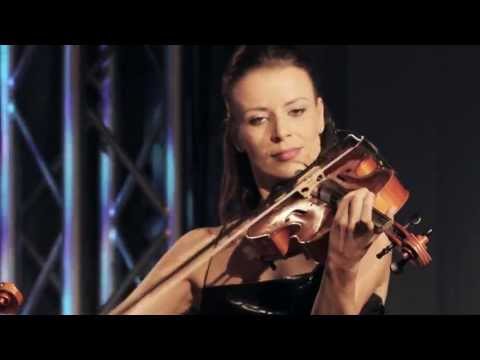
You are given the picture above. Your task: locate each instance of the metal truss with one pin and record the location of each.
(113, 195)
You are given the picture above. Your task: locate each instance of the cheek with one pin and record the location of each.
(252, 142)
(311, 139)
(312, 134)
(256, 153)
(315, 148)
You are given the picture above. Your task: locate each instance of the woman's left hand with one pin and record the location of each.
(352, 271)
(352, 231)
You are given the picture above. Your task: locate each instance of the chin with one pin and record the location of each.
(287, 171)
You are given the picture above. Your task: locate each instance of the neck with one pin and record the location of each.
(264, 192)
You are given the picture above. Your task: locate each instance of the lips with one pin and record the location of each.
(287, 154)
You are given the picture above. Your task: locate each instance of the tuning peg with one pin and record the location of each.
(397, 267)
(414, 220)
(385, 251)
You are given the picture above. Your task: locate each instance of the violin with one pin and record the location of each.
(309, 206)
(10, 299)
(299, 212)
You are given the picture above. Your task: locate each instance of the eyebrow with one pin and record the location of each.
(295, 100)
(286, 104)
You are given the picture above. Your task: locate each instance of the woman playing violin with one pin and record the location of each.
(277, 124)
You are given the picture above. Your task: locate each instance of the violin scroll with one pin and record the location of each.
(10, 299)
(414, 249)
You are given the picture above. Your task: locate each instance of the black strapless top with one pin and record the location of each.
(289, 296)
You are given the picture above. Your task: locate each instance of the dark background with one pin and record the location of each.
(418, 104)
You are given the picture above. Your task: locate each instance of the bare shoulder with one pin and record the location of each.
(196, 236)
(144, 299)
(192, 241)
(182, 250)
(188, 245)
(205, 231)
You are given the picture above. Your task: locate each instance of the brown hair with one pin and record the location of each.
(239, 193)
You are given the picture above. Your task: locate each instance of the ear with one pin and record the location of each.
(320, 108)
(237, 147)
(233, 130)
(238, 144)
(234, 138)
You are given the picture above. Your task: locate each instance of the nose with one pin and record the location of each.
(279, 129)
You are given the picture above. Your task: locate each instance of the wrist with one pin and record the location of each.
(342, 267)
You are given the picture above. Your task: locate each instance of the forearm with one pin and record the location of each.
(337, 294)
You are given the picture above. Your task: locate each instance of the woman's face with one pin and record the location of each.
(279, 121)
